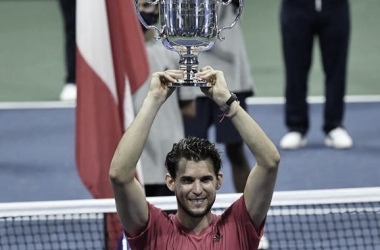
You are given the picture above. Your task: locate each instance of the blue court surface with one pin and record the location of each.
(37, 152)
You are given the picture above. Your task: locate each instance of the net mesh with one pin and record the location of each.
(319, 219)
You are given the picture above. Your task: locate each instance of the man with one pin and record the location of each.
(193, 175)
(168, 125)
(201, 113)
(68, 9)
(301, 22)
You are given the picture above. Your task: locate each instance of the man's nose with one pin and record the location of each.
(197, 189)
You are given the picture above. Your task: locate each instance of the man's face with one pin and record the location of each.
(149, 13)
(195, 186)
(145, 7)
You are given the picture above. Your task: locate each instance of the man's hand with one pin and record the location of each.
(218, 91)
(160, 86)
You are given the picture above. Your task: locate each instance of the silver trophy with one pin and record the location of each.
(189, 27)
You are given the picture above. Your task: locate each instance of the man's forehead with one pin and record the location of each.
(186, 167)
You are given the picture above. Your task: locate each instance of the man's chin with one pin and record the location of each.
(198, 213)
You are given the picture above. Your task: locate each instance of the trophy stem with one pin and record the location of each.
(189, 64)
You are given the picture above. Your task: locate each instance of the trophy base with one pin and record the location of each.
(195, 82)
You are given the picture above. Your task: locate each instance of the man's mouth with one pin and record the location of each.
(197, 201)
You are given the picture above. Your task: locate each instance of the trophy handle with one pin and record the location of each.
(152, 27)
(240, 12)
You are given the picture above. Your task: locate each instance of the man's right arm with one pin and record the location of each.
(129, 195)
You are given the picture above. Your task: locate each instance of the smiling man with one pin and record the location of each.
(194, 176)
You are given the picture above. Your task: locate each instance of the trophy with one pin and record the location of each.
(189, 27)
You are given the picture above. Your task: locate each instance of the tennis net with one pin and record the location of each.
(310, 219)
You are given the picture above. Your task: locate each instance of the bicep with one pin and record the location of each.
(132, 207)
(258, 193)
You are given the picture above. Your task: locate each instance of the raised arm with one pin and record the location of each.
(259, 188)
(129, 195)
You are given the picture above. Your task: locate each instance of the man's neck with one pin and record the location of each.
(195, 224)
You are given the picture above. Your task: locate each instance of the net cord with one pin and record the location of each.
(280, 198)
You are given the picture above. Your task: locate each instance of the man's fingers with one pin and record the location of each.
(208, 74)
(174, 71)
(168, 76)
(207, 68)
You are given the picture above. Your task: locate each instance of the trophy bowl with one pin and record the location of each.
(189, 27)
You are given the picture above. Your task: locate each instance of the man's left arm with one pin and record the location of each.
(260, 184)
(261, 181)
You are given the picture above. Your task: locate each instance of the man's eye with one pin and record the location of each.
(206, 180)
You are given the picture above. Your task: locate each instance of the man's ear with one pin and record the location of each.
(219, 180)
(169, 182)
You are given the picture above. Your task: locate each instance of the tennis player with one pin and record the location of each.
(194, 175)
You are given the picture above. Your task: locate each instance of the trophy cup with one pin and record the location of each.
(189, 27)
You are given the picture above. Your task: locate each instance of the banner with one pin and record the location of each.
(111, 65)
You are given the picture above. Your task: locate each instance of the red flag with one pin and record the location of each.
(111, 64)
